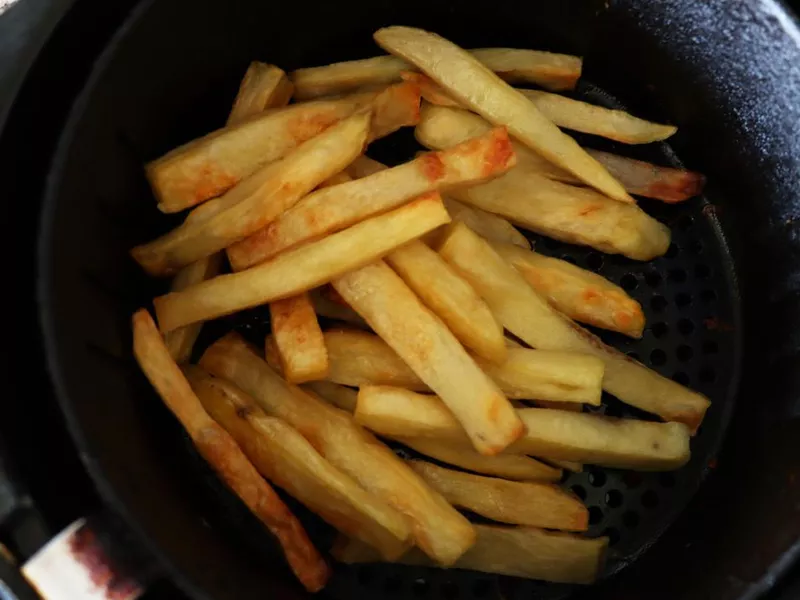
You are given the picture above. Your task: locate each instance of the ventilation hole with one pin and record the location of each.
(677, 275)
(392, 584)
(696, 247)
(612, 534)
(449, 590)
(666, 480)
(594, 261)
(702, 271)
(672, 251)
(570, 259)
(633, 355)
(681, 377)
(482, 588)
(365, 575)
(659, 329)
(420, 588)
(685, 222)
(653, 279)
(613, 498)
(595, 515)
(685, 326)
(658, 303)
(658, 357)
(707, 375)
(628, 282)
(613, 410)
(597, 478)
(649, 499)
(710, 347)
(708, 296)
(630, 519)
(551, 244)
(632, 480)
(684, 353)
(579, 491)
(682, 300)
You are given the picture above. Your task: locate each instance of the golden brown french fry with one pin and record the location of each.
(211, 165)
(476, 87)
(263, 86)
(333, 208)
(578, 293)
(259, 199)
(552, 71)
(516, 551)
(340, 396)
(437, 528)
(288, 460)
(302, 268)
(535, 504)
(558, 434)
(396, 314)
(298, 338)
(180, 342)
(223, 455)
(430, 90)
(325, 307)
(451, 298)
(528, 316)
(485, 224)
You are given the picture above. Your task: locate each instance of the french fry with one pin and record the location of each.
(211, 165)
(223, 455)
(439, 530)
(558, 434)
(259, 199)
(528, 316)
(340, 396)
(180, 342)
(552, 71)
(451, 298)
(364, 166)
(580, 294)
(288, 460)
(325, 307)
(567, 465)
(485, 224)
(334, 208)
(532, 200)
(516, 551)
(535, 504)
(263, 86)
(303, 268)
(298, 338)
(430, 90)
(396, 314)
(476, 87)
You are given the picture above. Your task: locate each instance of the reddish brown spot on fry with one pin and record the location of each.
(501, 154)
(589, 210)
(212, 182)
(432, 166)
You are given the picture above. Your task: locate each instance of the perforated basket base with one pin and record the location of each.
(691, 303)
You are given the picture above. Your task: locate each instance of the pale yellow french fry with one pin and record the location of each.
(298, 339)
(180, 342)
(485, 224)
(211, 165)
(431, 350)
(535, 504)
(303, 268)
(578, 293)
(476, 87)
(554, 434)
(259, 199)
(547, 69)
(451, 298)
(516, 551)
(325, 307)
(263, 86)
(340, 396)
(528, 316)
(568, 465)
(334, 208)
(364, 166)
(439, 530)
(288, 460)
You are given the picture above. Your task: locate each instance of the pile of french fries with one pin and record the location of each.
(445, 331)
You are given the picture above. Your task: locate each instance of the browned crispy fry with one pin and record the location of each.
(287, 459)
(298, 339)
(430, 90)
(578, 293)
(396, 314)
(340, 396)
(487, 225)
(334, 208)
(437, 528)
(325, 307)
(515, 551)
(302, 268)
(263, 86)
(528, 316)
(223, 455)
(259, 199)
(535, 504)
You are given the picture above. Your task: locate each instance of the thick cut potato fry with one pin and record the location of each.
(551, 71)
(476, 87)
(340, 396)
(578, 293)
(439, 530)
(485, 224)
(535, 504)
(528, 316)
(516, 551)
(334, 208)
(558, 434)
(567, 465)
(451, 298)
(263, 86)
(431, 350)
(325, 307)
(180, 342)
(223, 455)
(364, 166)
(288, 460)
(258, 200)
(303, 268)
(211, 165)
(298, 339)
